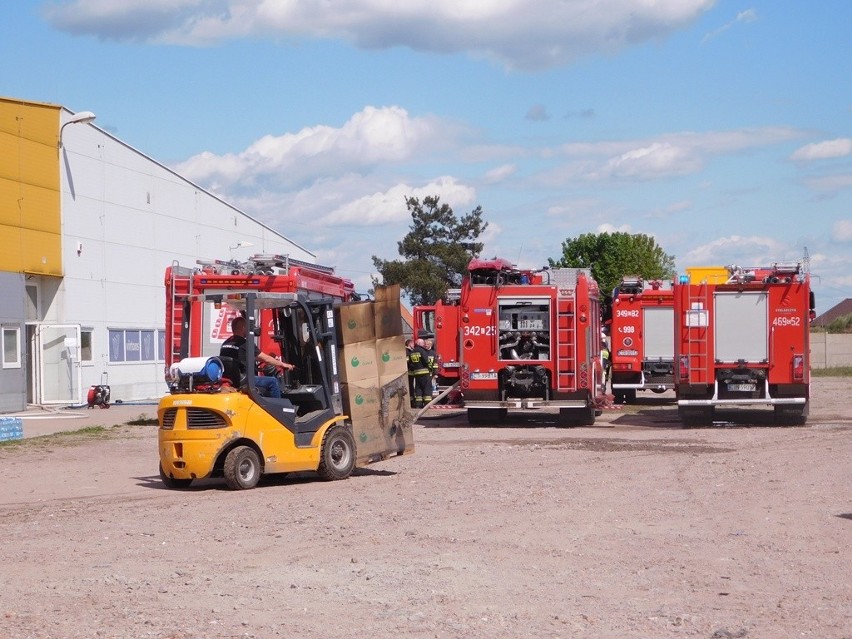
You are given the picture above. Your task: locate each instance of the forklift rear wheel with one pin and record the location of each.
(337, 458)
(242, 468)
(171, 482)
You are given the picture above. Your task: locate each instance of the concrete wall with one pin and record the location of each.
(829, 350)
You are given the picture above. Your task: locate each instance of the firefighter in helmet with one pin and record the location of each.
(418, 366)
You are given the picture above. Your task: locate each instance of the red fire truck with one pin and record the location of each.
(207, 327)
(742, 339)
(440, 321)
(525, 340)
(642, 338)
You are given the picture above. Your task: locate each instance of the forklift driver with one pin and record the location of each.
(234, 350)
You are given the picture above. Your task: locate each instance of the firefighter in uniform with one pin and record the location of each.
(432, 363)
(606, 362)
(409, 346)
(418, 366)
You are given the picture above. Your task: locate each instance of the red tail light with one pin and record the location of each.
(684, 367)
(465, 376)
(798, 367)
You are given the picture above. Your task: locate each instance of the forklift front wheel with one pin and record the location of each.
(337, 459)
(242, 468)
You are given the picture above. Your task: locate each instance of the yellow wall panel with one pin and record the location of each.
(10, 256)
(34, 121)
(30, 199)
(29, 206)
(42, 252)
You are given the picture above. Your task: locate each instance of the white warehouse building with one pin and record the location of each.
(89, 225)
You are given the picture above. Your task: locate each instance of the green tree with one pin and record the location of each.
(613, 255)
(435, 252)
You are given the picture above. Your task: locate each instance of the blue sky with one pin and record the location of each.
(723, 129)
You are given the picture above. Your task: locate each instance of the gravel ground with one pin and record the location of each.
(633, 528)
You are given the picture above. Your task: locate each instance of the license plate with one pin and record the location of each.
(483, 375)
(746, 388)
(531, 325)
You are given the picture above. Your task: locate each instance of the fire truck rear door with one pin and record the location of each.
(742, 326)
(658, 333)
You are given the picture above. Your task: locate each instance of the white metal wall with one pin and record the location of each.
(125, 218)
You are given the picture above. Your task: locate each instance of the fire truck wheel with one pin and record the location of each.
(337, 458)
(171, 482)
(242, 468)
(569, 417)
(619, 397)
(630, 396)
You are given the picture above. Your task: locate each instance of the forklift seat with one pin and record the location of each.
(232, 372)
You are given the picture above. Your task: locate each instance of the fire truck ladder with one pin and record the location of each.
(566, 358)
(698, 334)
(180, 287)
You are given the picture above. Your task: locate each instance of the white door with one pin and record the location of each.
(58, 350)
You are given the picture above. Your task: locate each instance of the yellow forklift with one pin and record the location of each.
(212, 426)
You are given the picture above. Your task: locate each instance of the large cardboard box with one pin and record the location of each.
(395, 385)
(361, 399)
(387, 318)
(391, 356)
(358, 362)
(355, 322)
(389, 293)
(387, 434)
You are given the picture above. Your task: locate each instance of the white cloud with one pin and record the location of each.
(389, 206)
(656, 160)
(650, 159)
(743, 17)
(370, 137)
(837, 148)
(515, 32)
(610, 228)
(500, 173)
(829, 183)
(735, 249)
(842, 230)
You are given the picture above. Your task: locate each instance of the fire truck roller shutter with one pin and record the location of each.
(742, 326)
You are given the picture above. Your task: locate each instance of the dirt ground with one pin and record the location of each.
(635, 527)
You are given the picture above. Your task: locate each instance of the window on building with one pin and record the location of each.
(136, 345)
(11, 347)
(86, 345)
(31, 301)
